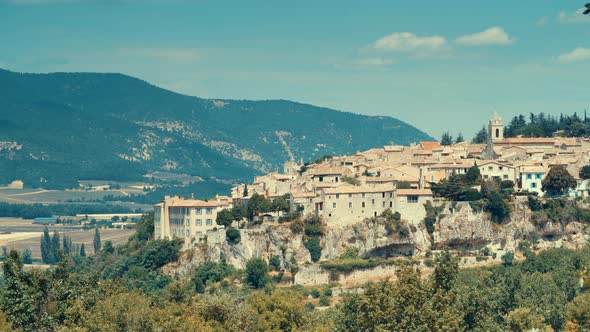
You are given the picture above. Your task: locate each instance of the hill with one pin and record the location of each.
(56, 129)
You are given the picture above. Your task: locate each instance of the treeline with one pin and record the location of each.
(544, 125)
(31, 211)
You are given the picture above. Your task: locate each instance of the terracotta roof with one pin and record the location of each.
(429, 145)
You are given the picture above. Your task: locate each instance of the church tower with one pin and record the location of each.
(496, 128)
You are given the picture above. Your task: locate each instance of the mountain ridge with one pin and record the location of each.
(89, 124)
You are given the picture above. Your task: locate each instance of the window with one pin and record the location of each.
(198, 232)
(485, 176)
(336, 179)
(363, 204)
(490, 168)
(390, 204)
(505, 176)
(188, 222)
(337, 196)
(529, 176)
(350, 205)
(188, 233)
(199, 211)
(390, 195)
(333, 205)
(538, 176)
(412, 199)
(500, 167)
(497, 133)
(321, 179)
(209, 222)
(363, 195)
(383, 195)
(209, 211)
(198, 222)
(349, 195)
(373, 201)
(533, 185)
(383, 203)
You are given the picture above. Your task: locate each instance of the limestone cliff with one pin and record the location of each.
(457, 226)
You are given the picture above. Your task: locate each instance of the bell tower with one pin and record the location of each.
(496, 128)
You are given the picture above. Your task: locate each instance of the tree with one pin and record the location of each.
(239, 212)
(225, 218)
(459, 138)
(82, 250)
(66, 245)
(481, 137)
(445, 271)
(257, 272)
(108, 247)
(96, 241)
(585, 172)
(473, 174)
(499, 209)
(446, 139)
(579, 311)
(587, 10)
(258, 204)
(233, 235)
(55, 247)
(27, 256)
(46, 254)
(280, 204)
(245, 192)
(145, 227)
(558, 180)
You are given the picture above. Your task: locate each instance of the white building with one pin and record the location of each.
(531, 178)
(189, 219)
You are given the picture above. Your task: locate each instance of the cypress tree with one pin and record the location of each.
(97, 244)
(82, 251)
(55, 247)
(67, 245)
(46, 246)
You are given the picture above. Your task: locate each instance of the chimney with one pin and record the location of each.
(421, 183)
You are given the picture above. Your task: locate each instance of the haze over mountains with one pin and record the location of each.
(58, 128)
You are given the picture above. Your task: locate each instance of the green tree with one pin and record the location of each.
(27, 256)
(257, 273)
(481, 137)
(445, 272)
(233, 235)
(558, 180)
(46, 254)
(258, 204)
(473, 175)
(499, 209)
(239, 212)
(585, 172)
(225, 218)
(459, 138)
(145, 227)
(245, 192)
(446, 139)
(82, 250)
(578, 311)
(280, 204)
(108, 248)
(96, 242)
(55, 247)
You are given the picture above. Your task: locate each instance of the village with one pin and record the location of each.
(344, 190)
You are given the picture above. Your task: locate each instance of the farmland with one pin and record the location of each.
(21, 234)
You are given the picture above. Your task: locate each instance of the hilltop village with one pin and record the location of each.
(344, 190)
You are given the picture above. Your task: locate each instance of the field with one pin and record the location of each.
(27, 196)
(21, 234)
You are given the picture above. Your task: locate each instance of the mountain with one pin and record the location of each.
(58, 128)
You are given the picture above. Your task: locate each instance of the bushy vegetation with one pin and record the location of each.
(545, 125)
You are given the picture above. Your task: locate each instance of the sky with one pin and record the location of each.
(438, 65)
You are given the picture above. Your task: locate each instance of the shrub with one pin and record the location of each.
(324, 301)
(534, 203)
(297, 226)
(256, 273)
(350, 253)
(315, 293)
(314, 248)
(274, 263)
(233, 235)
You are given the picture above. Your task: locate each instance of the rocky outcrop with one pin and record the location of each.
(458, 226)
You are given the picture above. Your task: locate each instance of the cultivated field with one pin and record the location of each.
(26, 196)
(21, 234)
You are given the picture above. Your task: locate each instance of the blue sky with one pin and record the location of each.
(439, 65)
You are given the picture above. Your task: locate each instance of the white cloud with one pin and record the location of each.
(168, 54)
(576, 17)
(579, 54)
(543, 21)
(376, 62)
(407, 41)
(492, 36)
